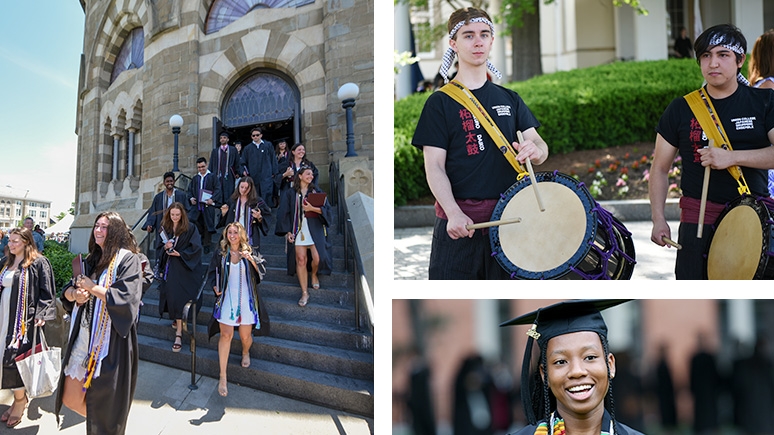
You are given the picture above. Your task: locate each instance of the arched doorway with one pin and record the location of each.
(266, 99)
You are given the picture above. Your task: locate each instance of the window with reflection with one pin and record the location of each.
(224, 12)
(131, 54)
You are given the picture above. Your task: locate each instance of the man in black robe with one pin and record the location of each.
(259, 162)
(705, 386)
(224, 163)
(162, 201)
(204, 199)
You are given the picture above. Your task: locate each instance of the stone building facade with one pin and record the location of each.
(220, 64)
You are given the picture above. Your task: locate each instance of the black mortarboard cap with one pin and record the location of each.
(555, 320)
(224, 133)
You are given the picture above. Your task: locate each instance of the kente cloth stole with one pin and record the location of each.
(461, 94)
(705, 113)
(100, 324)
(558, 428)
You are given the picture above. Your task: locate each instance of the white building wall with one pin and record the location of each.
(746, 14)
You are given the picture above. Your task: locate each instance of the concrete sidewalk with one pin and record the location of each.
(411, 250)
(163, 404)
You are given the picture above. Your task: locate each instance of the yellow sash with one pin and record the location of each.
(462, 95)
(705, 113)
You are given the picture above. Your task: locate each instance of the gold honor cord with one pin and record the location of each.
(462, 95)
(698, 100)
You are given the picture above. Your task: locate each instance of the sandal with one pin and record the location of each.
(14, 420)
(246, 360)
(315, 285)
(6, 414)
(223, 387)
(177, 346)
(304, 300)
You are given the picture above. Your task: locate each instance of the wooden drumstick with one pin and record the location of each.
(492, 223)
(532, 175)
(671, 242)
(703, 205)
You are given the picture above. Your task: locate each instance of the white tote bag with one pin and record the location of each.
(40, 367)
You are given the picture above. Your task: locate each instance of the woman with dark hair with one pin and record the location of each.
(100, 362)
(179, 250)
(249, 209)
(761, 68)
(234, 274)
(286, 172)
(29, 280)
(305, 227)
(570, 390)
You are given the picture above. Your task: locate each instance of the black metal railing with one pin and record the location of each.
(191, 307)
(362, 291)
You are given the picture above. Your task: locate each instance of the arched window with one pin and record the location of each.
(224, 12)
(261, 98)
(131, 53)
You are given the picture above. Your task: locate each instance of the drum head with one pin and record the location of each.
(735, 250)
(545, 243)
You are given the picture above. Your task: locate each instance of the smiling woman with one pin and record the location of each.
(572, 381)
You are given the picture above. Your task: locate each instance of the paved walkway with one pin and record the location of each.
(411, 250)
(163, 404)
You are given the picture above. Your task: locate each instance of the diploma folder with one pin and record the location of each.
(317, 199)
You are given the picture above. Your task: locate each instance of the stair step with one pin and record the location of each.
(326, 389)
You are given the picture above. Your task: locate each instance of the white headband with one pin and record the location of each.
(448, 57)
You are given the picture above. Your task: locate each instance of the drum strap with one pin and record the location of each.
(461, 94)
(702, 108)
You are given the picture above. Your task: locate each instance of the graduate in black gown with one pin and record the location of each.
(104, 302)
(25, 275)
(569, 388)
(305, 228)
(179, 251)
(249, 209)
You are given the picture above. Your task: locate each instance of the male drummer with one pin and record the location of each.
(465, 170)
(747, 116)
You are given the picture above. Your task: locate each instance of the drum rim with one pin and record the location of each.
(588, 203)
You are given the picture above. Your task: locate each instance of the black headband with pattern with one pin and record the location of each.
(448, 57)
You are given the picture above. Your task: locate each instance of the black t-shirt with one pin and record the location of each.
(683, 46)
(475, 166)
(747, 116)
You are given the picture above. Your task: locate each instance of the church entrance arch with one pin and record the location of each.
(266, 99)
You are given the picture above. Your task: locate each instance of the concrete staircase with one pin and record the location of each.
(314, 354)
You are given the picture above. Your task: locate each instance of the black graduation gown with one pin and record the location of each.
(622, 428)
(260, 162)
(283, 183)
(184, 273)
(209, 211)
(253, 280)
(256, 228)
(318, 226)
(156, 210)
(228, 178)
(109, 397)
(40, 305)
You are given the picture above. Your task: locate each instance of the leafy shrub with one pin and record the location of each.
(590, 108)
(61, 262)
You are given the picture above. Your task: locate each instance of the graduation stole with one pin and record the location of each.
(19, 335)
(100, 324)
(461, 94)
(558, 428)
(705, 113)
(248, 217)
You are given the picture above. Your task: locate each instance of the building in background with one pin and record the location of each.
(437, 336)
(15, 206)
(221, 65)
(582, 33)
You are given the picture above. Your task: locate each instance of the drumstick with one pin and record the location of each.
(703, 205)
(671, 242)
(532, 175)
(493, 223)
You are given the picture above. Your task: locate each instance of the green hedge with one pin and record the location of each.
(61, 261)
(590, 108)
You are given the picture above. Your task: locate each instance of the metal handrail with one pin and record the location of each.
(362, 289)
(192, 334)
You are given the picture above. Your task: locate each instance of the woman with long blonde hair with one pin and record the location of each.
(234, 274)
(26, 301)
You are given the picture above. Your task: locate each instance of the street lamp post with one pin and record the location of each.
(347, 94)
(175, 121)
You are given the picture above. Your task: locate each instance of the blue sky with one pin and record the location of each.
(40, 46)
